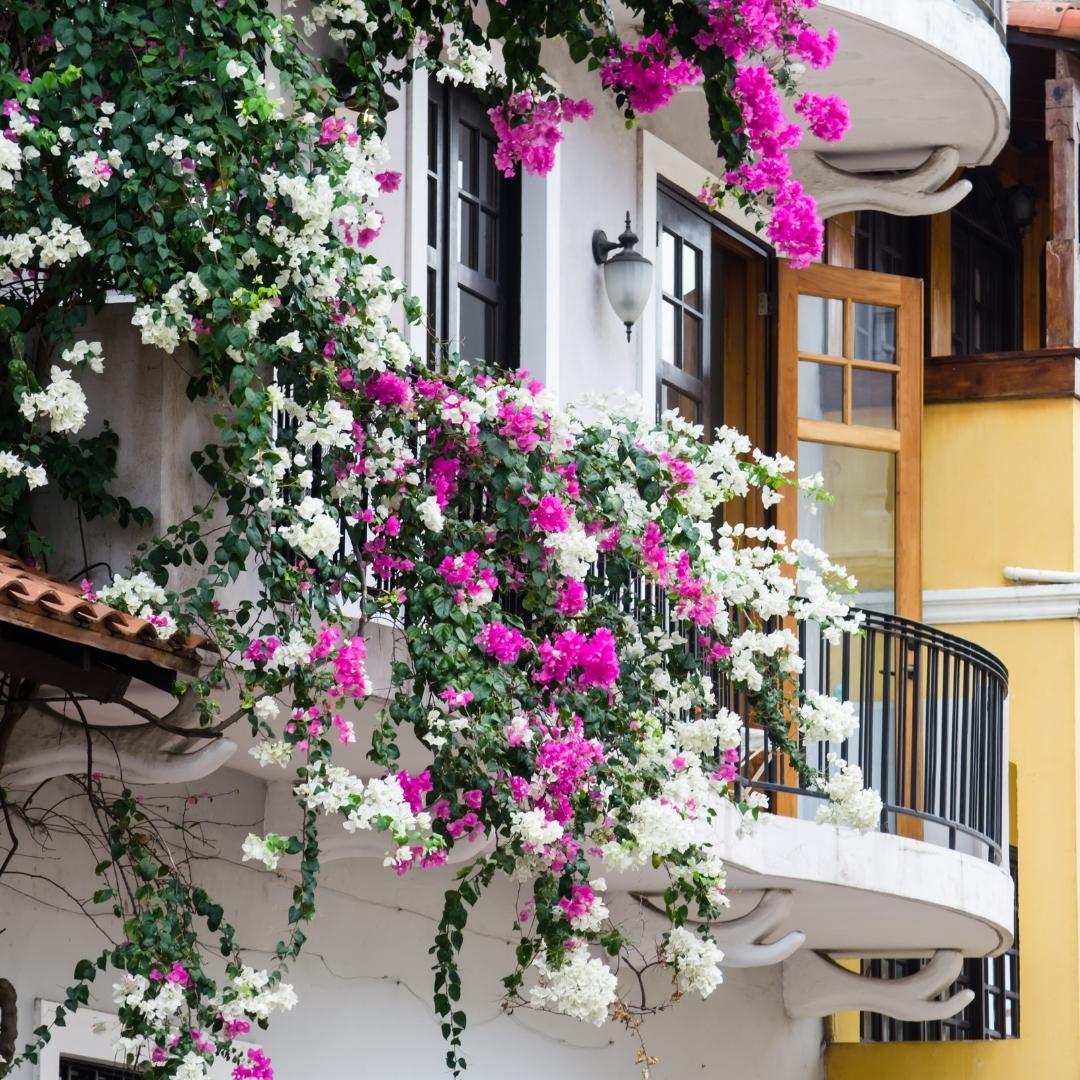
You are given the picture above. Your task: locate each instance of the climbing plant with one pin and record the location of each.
(569, 605)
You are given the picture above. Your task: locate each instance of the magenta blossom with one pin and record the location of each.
(530, 127)
(551, 515)
(827, 117)
(504, 643)
(388, 182)
(648, 73)
(387, 389)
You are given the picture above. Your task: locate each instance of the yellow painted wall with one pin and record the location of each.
(1000, 488)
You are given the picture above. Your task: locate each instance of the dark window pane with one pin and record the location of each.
(433, 212)
(468, 228)
(821, 391)
(489, 172)
(488, 246)
(985, 271)
(433, 138)
(691, 276)
(687, 407)
(476, 322)
(691, 350)
(70, 1069)
(432, 313)
(873, 398)
(890, 244)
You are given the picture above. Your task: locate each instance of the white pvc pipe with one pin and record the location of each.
(1026, 574)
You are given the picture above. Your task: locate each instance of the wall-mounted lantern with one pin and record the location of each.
(627, 274)
(1020, 199)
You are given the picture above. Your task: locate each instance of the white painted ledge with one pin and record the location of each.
(1007, 603)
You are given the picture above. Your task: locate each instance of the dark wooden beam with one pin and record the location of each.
(1062, 286)
(1038, 373)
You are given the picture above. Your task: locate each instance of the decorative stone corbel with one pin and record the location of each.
(45, 743)
(912, 192)
(815, 985)
(740, 939)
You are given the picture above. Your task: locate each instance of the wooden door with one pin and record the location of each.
(849, 404)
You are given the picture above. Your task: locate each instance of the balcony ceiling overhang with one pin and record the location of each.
(920, 77)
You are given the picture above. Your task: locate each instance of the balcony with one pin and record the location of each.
(932, 736)
(919, 75)
(932, 881)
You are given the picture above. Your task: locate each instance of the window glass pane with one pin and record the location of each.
(432, 313)
(821, 391)
(476, 327)
(858, 529)
(668, 245)
(467, 159)
(691, 276)
(468, 228)
(875, 332)
(433, 212)
(692, 345)
(873, 398)
(433, 137)
(489, 172)
(687, 407)
(487, 244)
(821, 326)
(669, 351)
(70, 1069)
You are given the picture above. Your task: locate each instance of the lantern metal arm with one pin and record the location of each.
(602, 247)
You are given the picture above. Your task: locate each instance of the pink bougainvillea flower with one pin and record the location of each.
(827, 117)
(529, 127)
(648, 73)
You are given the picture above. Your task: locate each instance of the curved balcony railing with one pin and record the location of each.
(931, 736)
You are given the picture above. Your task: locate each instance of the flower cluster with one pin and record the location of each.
(529, 127)
(766, 38)
(648, 73)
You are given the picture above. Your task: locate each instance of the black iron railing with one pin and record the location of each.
(931, 735)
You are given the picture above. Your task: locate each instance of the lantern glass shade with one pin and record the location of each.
(1021, 202)
(628, 281)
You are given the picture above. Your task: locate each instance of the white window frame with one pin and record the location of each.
(89, 1035)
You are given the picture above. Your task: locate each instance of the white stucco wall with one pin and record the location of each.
(364, 980)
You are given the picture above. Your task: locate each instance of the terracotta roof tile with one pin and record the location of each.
(1059, 19)
(33, 599)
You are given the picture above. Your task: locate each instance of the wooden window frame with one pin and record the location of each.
(448, 108)
(676, 214)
